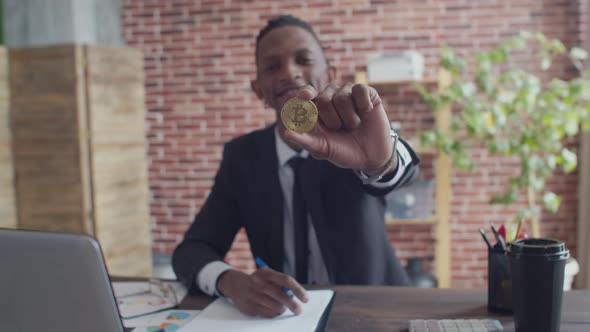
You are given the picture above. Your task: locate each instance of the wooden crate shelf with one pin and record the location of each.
(78, 118)
(8, 218)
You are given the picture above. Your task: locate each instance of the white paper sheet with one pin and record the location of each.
(144, 302)
(221, 316)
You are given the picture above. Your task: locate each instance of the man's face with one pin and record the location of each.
(289, 58)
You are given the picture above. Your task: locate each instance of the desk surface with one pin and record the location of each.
(366, 308)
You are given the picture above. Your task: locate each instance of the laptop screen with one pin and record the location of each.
(54, 282)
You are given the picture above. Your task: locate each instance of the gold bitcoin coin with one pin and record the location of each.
(299, 115)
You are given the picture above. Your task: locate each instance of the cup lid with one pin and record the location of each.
(537, 246)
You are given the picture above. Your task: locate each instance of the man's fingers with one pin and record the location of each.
(307, 92)
(326, 112)
(361, 95)
(279, 294)
(317, 147)
(283, 280)
(249, 308)
(272, 296)
(262, 297)
(271, 288)
(266, 312)
(261, 305)
(345, 107)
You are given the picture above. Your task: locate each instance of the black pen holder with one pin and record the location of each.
(499, 281)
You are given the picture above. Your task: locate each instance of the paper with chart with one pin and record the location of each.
(222, 316)
(164, 321)
(134, 298)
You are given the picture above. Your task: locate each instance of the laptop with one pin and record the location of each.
(54, 282)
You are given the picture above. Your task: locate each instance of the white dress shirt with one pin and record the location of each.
(317, 273)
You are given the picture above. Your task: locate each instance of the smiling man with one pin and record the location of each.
(312, 204)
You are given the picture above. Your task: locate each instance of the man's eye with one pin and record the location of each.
(305, 61)
(271, 67)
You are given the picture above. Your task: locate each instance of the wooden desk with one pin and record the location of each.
(365, 308)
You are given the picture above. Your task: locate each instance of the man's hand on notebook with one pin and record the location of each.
(261, 293)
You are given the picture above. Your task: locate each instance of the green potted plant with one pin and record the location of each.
(512, 112)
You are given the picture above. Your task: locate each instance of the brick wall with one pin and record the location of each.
(199, 62)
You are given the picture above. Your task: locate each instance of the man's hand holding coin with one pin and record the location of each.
(352, 129)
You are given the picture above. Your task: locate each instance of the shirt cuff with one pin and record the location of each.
(403, 160)
(207, 277)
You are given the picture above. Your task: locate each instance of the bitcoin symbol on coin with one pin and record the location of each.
(299, 115)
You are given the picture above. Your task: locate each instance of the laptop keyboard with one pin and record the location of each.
(455, 325)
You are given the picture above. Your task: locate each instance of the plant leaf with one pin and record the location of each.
(551, 201)
(569, 160)
(545, 63)
(578, 53)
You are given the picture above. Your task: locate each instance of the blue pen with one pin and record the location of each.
(261, 264)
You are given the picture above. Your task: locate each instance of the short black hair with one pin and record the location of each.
(281, 21)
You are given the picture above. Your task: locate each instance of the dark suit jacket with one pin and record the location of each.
(348, 216)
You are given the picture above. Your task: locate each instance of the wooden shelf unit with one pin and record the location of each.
(78, 125)
(442, 179)
(8, 218)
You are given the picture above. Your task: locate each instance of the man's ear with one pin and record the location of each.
(256, 88)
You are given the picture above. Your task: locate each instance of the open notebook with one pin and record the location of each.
(221, 316)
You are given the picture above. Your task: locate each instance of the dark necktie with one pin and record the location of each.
(299, 222)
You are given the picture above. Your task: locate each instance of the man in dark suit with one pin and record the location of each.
(312, 204)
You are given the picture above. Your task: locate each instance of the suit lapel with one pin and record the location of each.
(271, 198)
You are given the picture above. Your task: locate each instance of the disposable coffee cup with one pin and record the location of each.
(537, 267)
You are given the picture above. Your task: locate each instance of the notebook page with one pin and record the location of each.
(222, 316)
